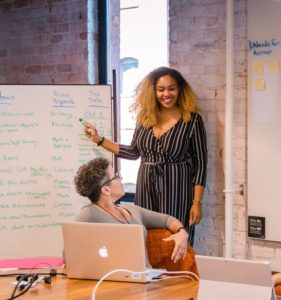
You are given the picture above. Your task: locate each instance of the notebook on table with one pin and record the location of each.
(92, 250)
(232, 279)
(31, 265)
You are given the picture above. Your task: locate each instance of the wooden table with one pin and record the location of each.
(63, 288)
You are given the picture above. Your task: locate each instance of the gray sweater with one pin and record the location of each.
(139, 215)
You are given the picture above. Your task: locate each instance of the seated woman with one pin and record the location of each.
(97, 181)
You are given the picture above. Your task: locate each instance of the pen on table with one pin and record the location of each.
(84, 123)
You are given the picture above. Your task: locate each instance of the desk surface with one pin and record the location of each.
(63, 288)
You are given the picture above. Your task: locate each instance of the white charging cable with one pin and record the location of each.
(182, 273)
(116, 271)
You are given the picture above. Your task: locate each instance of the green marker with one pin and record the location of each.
(83, 123)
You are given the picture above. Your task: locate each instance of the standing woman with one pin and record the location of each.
(170, 138)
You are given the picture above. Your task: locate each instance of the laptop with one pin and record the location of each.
(228, 278)
(92, 250)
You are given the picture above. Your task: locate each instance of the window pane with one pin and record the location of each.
(144, 47)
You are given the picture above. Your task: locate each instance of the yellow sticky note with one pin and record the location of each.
(258, 67)
(259, 84)
(273, 66)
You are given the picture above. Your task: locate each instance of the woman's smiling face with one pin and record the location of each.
(167, 92)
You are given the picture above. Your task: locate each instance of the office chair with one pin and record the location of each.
(159, 252)
(278, 290)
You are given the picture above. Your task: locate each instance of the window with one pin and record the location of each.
(126, 66)
(143, 47)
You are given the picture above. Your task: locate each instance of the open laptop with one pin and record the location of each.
(227, 278)
(92, 250)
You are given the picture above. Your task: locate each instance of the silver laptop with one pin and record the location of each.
(92, 250)
(227, 278)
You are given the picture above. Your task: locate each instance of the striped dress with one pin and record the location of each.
(170, 167)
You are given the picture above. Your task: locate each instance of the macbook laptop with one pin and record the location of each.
(227, 278)
(92, 250)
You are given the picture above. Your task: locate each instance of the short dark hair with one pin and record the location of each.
(90, 177)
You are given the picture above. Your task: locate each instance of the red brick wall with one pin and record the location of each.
(43, 42)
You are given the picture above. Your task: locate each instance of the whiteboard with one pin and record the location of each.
(41, 147)
(264, 114)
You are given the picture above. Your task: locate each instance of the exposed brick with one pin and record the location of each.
(5, 7)
(49, 69)
(56, 39)
(64, 68)
(33, 70)
(83, 35)
(3, 52)
(20, 3)
(60, 28)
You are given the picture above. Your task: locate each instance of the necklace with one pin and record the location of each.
(126, 221)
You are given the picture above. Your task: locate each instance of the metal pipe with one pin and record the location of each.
(229, 131)
(91, 42)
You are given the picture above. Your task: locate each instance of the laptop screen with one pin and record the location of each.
(93, 249)
(228, 278)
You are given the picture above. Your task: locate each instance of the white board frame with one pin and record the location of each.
(42, 145)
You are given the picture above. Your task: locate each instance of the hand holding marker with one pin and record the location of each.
(84, 123)
(91, 131)
(87, 128)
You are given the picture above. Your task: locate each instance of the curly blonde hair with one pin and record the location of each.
(146, 106)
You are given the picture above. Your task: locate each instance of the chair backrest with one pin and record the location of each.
(159, 252)
(278, 290)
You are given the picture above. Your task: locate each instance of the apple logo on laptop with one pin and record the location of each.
(103, 252)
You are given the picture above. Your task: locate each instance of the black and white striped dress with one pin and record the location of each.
(170, 167)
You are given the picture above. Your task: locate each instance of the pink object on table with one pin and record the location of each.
(32, 263)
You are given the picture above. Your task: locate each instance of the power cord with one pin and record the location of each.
(51, 273)
(24, 283)
(157, 278)
(181, 274)
(29, 280)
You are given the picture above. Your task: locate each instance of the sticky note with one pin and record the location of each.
(259, 84)
(258, 67)
(273, 66)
